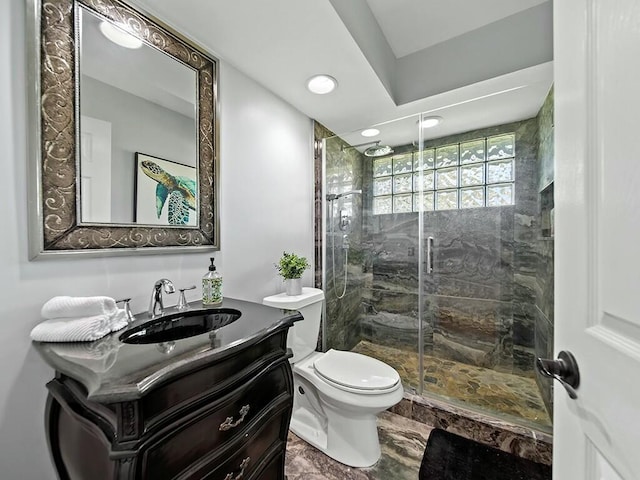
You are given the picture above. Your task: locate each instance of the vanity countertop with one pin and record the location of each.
(113, 371)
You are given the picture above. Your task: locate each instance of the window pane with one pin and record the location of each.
(402, 203)
(446, 199)
(471, 152)
(472, 197)
(382, 167)
(428, 159)
(472, 175)
(499, 195)
(427, 201)
(446, 156)
(382, 205)
(402, 183)
(500, 171)
(502, 146)
(382, 186)
(427, 180)
(447, 178)
(402, 163)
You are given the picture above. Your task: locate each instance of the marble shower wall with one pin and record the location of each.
(344, 246)
(479, 301)
(543, 303)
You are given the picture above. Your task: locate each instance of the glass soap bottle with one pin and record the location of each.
(212, 286)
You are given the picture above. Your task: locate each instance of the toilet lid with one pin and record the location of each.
(356, 371)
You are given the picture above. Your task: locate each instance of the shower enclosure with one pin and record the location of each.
(437, 259)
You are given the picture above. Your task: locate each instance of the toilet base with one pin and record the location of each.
(340, 424)
(351, 441)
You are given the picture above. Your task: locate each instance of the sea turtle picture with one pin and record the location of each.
(179, 193)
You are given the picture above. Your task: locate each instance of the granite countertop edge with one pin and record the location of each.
(128, 388)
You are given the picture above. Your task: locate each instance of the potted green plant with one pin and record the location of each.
(291, 267)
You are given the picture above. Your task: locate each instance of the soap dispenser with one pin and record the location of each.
(212, 286)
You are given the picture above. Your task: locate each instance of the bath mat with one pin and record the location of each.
(451, 457)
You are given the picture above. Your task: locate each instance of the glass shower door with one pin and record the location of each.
(436, 263)
(373, 251)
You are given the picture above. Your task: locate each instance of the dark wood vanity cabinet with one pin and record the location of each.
(222, 419)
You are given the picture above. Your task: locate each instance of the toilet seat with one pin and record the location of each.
(356, 373)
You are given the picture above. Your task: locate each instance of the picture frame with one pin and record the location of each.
(166, 192)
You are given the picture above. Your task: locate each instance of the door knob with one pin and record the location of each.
(564, 369)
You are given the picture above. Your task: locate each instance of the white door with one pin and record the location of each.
(95, 170)
(597, 225)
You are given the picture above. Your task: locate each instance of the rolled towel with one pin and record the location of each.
(76, 307)
(82, 329)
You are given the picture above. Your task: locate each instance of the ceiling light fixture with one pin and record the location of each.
(430, 122)
(119, 36)
(322, 84)
(370, 132)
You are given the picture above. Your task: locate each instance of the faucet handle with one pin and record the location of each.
(182, 300)
(127, 308)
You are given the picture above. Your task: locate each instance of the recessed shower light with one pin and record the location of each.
(370, 132)
(119, 36)
(322, 84)
(430, 122)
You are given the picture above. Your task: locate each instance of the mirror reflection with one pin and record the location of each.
(138, 151)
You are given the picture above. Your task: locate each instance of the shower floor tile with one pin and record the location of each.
(466, 385)
(402, 443)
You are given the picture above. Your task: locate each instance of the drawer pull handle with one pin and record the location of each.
(243, 465)
(228, 424)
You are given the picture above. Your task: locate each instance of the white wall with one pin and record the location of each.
(267, 206)
(137, 125)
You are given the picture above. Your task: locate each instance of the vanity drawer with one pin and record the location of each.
(211, 381)
(192, 438)
(274, 470)
(247, 460)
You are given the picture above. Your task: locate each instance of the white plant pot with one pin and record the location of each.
(293, 286)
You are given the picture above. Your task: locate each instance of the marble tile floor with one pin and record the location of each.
(402, 442)
(497, 393)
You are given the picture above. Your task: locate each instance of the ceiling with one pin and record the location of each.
(413, 25)
(475, 64)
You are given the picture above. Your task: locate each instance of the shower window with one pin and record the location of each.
(473, 174)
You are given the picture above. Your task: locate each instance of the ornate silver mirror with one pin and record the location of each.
(126, 138)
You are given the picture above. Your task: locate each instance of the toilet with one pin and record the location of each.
(337, 394)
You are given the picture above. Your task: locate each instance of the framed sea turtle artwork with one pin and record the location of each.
(166, 192)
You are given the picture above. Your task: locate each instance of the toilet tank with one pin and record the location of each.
(303, 336)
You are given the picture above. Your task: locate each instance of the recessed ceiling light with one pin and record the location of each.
(370, 132)
(322, 84)
(119, 36)
(430, 122)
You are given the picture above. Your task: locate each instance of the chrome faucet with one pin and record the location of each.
(156, 307)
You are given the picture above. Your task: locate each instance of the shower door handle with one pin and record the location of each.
(429, 262)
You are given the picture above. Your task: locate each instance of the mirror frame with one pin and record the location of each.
(54, 204)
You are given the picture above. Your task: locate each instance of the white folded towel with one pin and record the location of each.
(119, 320)
(76, 307)
(80, 329)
